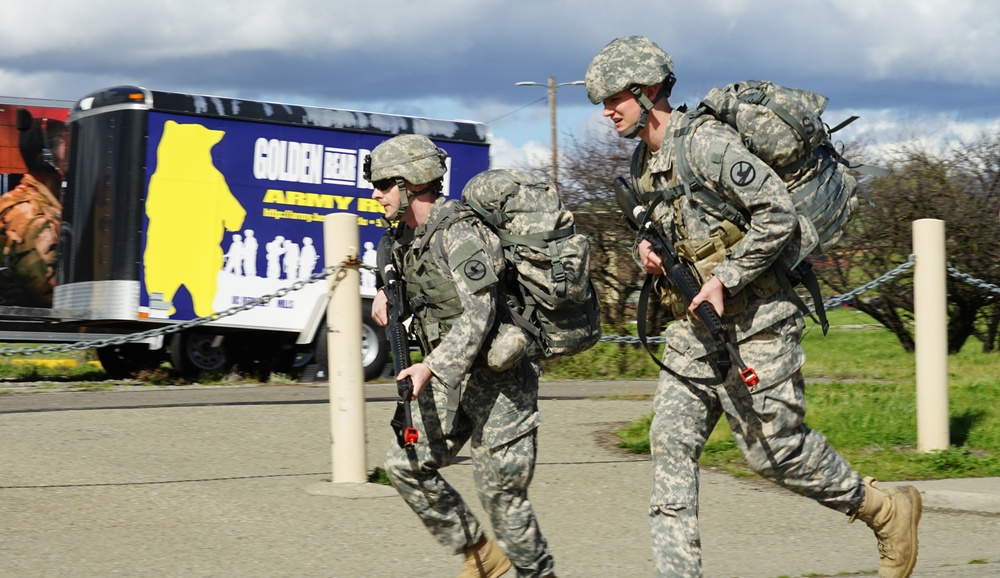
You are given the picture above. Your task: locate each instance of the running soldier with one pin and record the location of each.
(451, 265)
(632, 77)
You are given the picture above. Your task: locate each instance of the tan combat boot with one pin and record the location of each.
(484, 560)
(893, 514)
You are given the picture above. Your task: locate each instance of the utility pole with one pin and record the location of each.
(552, 89)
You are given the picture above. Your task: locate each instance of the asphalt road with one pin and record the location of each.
(235, 481)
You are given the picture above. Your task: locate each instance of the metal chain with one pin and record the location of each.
(972, 280)
(830, 303)
(144, 335)
(838, 300)
(631, 339)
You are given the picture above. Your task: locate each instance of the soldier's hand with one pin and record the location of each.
(420, 376)
(712, 291)
(650, 260)
(380, 310)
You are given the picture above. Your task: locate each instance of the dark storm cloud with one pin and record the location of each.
(449, 58)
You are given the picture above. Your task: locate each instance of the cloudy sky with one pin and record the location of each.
(911, 68)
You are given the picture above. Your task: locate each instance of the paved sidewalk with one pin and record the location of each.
(234, 481)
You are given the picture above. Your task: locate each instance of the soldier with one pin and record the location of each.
(31, 213)
(451, 265)
(632, 77)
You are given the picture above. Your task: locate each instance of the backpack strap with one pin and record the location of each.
(692, 185)
(640, 326)
(650, 199)
(546, 241)
(803, 272)
(447, 214)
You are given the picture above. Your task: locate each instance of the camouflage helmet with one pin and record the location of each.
(410, 156)
(624, 63)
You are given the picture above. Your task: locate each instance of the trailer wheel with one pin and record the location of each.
(374, 344)
(126, 360)
(195, 354)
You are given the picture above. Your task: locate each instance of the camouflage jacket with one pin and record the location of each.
(462, 261)
(30, 219)
(464, 253)
(716, 154)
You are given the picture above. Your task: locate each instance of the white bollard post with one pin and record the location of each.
(930, 310)
(343, 319)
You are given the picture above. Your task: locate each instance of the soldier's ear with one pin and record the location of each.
(23, 119)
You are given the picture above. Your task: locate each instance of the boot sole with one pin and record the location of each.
(918, 507)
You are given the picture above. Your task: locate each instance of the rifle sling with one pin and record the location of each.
(640, 324)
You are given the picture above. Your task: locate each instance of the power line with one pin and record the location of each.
(515, 110)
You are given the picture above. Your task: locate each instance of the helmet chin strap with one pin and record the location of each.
(647, 105)
(404, 197)
(403, 204)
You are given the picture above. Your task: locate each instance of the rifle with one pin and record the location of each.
(682, 280)
(395, 292)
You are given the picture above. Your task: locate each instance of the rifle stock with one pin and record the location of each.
(402, 420)
(680, 276)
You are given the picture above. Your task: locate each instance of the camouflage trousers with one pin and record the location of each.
(769, 430)
(502, 475)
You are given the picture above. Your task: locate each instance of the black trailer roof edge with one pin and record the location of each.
(117, 98)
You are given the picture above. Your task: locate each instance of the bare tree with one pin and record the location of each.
(961, 187)
(588, 173)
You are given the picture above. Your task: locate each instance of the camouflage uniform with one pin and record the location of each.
(29, 234)
(767, 423)
(465, 401)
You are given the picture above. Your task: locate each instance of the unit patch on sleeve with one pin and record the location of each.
(472, 267)
(475, 269)
(742, 173)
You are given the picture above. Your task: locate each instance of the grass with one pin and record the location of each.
(862, 397)
(82, 368)
(605, 360)
(70, 366)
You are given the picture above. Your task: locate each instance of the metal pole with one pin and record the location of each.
(552, 117)
(343, 320)
(552, 89)
(930, 310)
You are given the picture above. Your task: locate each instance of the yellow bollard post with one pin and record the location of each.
(930, 312)
(346, 375)
(343, 321)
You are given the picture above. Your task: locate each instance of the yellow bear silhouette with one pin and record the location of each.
(189, 205)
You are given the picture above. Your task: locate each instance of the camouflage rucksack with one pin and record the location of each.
(782, 127)
(549, 293)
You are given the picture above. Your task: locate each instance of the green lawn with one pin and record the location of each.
(862, 397)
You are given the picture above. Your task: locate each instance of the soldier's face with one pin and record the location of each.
(623, 110)
(388, 197)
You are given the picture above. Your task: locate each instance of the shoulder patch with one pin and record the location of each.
(472, 266)
(474, 269)
(742, 173)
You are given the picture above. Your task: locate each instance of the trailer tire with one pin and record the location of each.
(195, 354)
(126, 360)
(374, 345)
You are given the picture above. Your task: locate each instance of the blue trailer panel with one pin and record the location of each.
(179, 206)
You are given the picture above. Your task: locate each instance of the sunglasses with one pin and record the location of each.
(384, 184)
